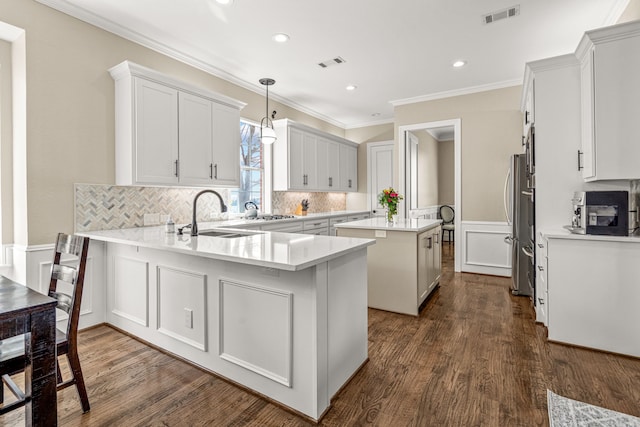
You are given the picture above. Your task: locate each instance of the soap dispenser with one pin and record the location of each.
(170, 227)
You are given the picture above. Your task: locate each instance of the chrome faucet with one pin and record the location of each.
(194, 224)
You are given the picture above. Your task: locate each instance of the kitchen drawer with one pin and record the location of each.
(338, 220)
(312, 224)
(287, 227)
(317, 232)
(359, 217)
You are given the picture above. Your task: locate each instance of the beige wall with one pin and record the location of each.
(446, 173)
(6, 141)
(70, 109)
(427, 169)
(631, 13)
(491, 129)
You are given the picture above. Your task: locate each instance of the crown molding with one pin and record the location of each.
(456, 92)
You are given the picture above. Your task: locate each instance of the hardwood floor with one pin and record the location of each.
(474, 357)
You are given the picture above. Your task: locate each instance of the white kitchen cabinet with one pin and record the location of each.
(610, 89)
(309, 160)
(541, 281)
(348, 167)
(553, 87)
(226, 146)
(195, 149)
(316, 226)
(328, 153)
(302, 170)
(156, 135)
(171, 133)
(593, 292)
(429, 262)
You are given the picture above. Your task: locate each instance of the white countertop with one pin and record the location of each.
(241, 222)
(562, 233)
(282, 251)
(403, 224)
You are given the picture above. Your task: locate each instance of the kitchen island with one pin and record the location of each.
(404, 266)
(282, 314)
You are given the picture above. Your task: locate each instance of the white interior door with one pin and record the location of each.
(380, 166)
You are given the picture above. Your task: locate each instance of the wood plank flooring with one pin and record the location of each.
(474, 357)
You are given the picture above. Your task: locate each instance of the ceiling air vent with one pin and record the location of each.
(501, 14)
(329, 62)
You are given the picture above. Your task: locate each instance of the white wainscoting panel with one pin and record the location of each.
(182, 305)
(483, 248)
(131, 289)
(256, 329)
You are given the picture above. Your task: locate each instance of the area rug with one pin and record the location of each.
(565, 412)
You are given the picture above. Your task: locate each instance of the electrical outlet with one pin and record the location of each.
(381, 233)
(188, 318)
(151, 219)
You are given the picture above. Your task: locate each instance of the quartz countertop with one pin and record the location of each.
(241, 222)
(562, 233)
(402, 224)
(282, 251)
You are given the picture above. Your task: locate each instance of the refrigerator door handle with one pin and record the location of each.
(506, 197)
(527, 251)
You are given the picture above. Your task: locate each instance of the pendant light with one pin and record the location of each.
(267, 134)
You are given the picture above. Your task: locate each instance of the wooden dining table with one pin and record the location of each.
(25, 311)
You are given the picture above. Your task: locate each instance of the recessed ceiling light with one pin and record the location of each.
(225, 2)
(351, 87)
(280, 37)
(459, 63)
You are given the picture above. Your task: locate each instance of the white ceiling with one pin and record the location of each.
(395, 51)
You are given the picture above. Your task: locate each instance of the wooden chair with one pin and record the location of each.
(447, 214)
(12, 359)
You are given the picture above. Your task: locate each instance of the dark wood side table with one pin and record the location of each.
(25, 311)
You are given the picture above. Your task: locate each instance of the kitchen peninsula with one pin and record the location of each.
(404, 266)
(282, 314)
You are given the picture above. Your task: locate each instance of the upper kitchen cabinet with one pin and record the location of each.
(171, 133)
(610, 89)
(348, 167)
(306, 159)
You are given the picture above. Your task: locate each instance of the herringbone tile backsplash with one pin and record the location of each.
(107, 207)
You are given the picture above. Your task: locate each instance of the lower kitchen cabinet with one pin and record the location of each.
(403, 267)
(429, 262)
(593, 292)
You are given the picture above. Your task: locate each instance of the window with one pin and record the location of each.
(253, 156)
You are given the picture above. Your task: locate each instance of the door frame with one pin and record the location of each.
(402, 159)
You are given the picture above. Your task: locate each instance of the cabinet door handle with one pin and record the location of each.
(349, 183)
(540, 268)
(540, 245)
(437, 237)
(526, 117)
(580, 167)
(330, 182)
(176, 165)
(210, 170)
(215, 171)
(540, 301)
(429, 242)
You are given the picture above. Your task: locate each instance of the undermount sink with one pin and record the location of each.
(227, 234)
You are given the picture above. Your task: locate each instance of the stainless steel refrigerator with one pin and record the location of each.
(519, 204)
